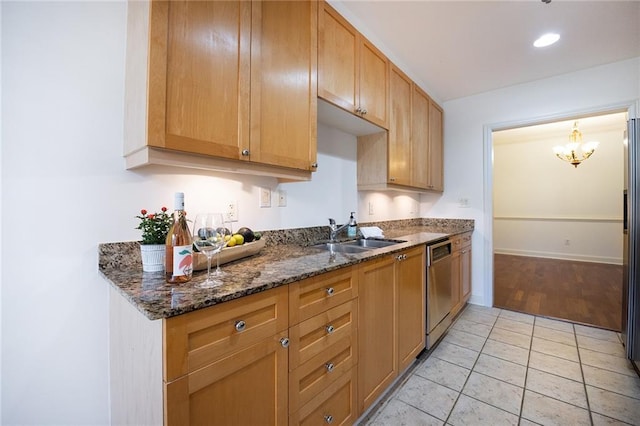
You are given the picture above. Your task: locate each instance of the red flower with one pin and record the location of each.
(151, 216)
(164, 209)
(143, 211)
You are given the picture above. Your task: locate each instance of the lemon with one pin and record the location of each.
(227, 237)
(231, 242)
(239, 239)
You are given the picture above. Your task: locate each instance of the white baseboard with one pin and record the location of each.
(561, 256)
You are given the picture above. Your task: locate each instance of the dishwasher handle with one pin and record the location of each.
(438, 252)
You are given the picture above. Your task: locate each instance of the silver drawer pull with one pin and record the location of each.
(240, 325)
(284, 342)
(328, 419)
(329, 366)
(329, 329)
(330, 291)
(245, 152)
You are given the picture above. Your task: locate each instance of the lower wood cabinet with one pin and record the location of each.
(228, 364)
(247, 387)
(324, 349)
(317, 351)
(391, 320)
(460, 271)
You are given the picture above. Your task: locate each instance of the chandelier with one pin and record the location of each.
(569, 152)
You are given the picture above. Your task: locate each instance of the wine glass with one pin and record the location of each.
(208, 237)
(226, 235)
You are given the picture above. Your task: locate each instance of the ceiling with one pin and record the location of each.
(561, 129)
(461, 48)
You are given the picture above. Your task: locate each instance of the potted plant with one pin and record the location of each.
(154, 227)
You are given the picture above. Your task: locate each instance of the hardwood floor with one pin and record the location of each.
(589, 293)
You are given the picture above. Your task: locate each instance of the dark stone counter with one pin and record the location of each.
(288, 256)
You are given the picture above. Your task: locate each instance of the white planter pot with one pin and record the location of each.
(152, 257)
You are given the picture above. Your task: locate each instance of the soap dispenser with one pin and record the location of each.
(353, 226)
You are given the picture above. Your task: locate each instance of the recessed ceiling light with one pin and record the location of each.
(546, 40)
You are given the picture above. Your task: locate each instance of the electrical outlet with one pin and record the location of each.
(463, 202)
(370, 208)
(265, 197)
(232, 211)
(282, 198)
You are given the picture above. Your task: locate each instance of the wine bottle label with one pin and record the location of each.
(182, 260)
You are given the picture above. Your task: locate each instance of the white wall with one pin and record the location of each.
(468, 155)
(545, 207)
(64, 190)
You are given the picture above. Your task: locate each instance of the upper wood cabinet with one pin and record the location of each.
(224, 85)
(409, 156)
(352, 73)
(436, 148)
(400, 162)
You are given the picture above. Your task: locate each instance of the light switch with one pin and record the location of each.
(265, 197)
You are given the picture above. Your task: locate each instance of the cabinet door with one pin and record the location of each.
(456, 283)
(337, 59)
(283, 83)
(373, 84)
(399, 161)
(377, 365)
(436, 151)
(246, 388)
(465, 272)
(420, 164)
(198, 98)
(411, 305)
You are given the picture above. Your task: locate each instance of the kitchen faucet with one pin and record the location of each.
(335, 229)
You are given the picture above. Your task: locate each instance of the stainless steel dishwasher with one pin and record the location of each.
(439, 301)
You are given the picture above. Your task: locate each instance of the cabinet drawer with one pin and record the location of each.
(336, 404)
(311, 337)
(199, 338)
(317, 294)
(313, 376)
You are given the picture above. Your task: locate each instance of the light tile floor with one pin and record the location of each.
(498, 367)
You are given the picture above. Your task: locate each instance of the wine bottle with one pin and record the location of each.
(179, 257)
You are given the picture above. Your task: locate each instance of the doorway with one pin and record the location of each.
(557, 228)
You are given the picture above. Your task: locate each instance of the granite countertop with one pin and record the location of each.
(288, 256)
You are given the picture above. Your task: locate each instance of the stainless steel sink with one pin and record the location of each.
(371, 243)
(356, 246)
(341, 248)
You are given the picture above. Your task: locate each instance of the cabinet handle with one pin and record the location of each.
(314, 165)
(359, 110)
(401, 257)
(364, 112)
(329, 366)
(392, 179)
(330, 291)
(240, 325)
(284, 342)
(328, 419)
(245, 152)
(329, 329)
(464, 251)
